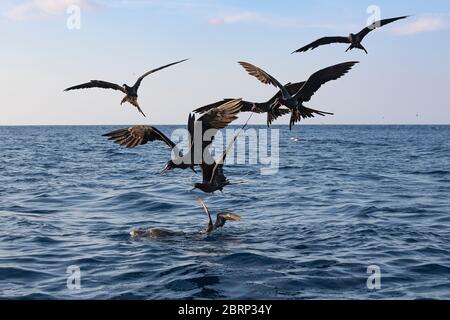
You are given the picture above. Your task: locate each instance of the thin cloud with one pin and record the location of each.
(165, 4)
(234, 18)
(31, 9)
(276, 22)
(430, 24)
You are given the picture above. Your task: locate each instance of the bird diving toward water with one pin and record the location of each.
(353, 39)
(294, 102)
(210, 122)
(265, 107)
(212, 171)
(131, 92)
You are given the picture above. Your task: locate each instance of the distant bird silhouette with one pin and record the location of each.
(353, 39)
(264, 107)
(131, 92)
(213, 120)
(221, 219)
(294, 102)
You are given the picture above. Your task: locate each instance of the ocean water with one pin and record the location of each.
(345, 198)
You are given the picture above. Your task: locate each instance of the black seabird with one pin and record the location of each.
(353, 39)
(294, 102)
(212, 172)
(131, 92)
(266, 107)
(213, 120)
(221, 219)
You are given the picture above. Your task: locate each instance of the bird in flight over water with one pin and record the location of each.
(262, 107)
(294, 102)
(353, 39)
(131, 92)
(210, 122)
(213, 175)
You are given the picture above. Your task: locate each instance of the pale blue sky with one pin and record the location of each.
(406, 72)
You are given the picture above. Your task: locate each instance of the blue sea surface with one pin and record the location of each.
(345, 198)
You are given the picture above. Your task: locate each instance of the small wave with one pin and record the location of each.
(431, 268)
(251, 259)
(430, 172)
(9, 273)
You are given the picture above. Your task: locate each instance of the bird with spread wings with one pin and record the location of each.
(131, 93)
(353, 39)
(294, 101)
(210, 122)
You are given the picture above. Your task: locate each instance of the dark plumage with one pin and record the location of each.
(221, 219)
(212, 171)
(213, 120)
(256, 107)
(131, 92)
(294, 102)
(353, 39)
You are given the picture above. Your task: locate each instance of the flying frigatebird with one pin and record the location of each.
(266, 107)
(294, 102)
(210, 122)
(212, 172)
(131, 92)
(353, 39)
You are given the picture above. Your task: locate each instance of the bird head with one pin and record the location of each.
(197, 186)
(169, 166)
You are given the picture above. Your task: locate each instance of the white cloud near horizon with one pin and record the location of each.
(427, 24)
(31, 9)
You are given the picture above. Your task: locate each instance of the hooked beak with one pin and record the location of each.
(164, 170)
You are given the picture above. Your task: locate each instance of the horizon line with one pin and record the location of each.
(237, 124)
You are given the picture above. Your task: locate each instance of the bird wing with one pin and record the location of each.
(213, 173)
(139, 80)
(223, 217)
(321, 42)
(97, 84)
(207, 172)
(377, 24)
(265, 78)
(205, 208)
(246, 106)
(321, 77)
(220, 117)
(229, 216)
(217, 170)
(137, 136)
